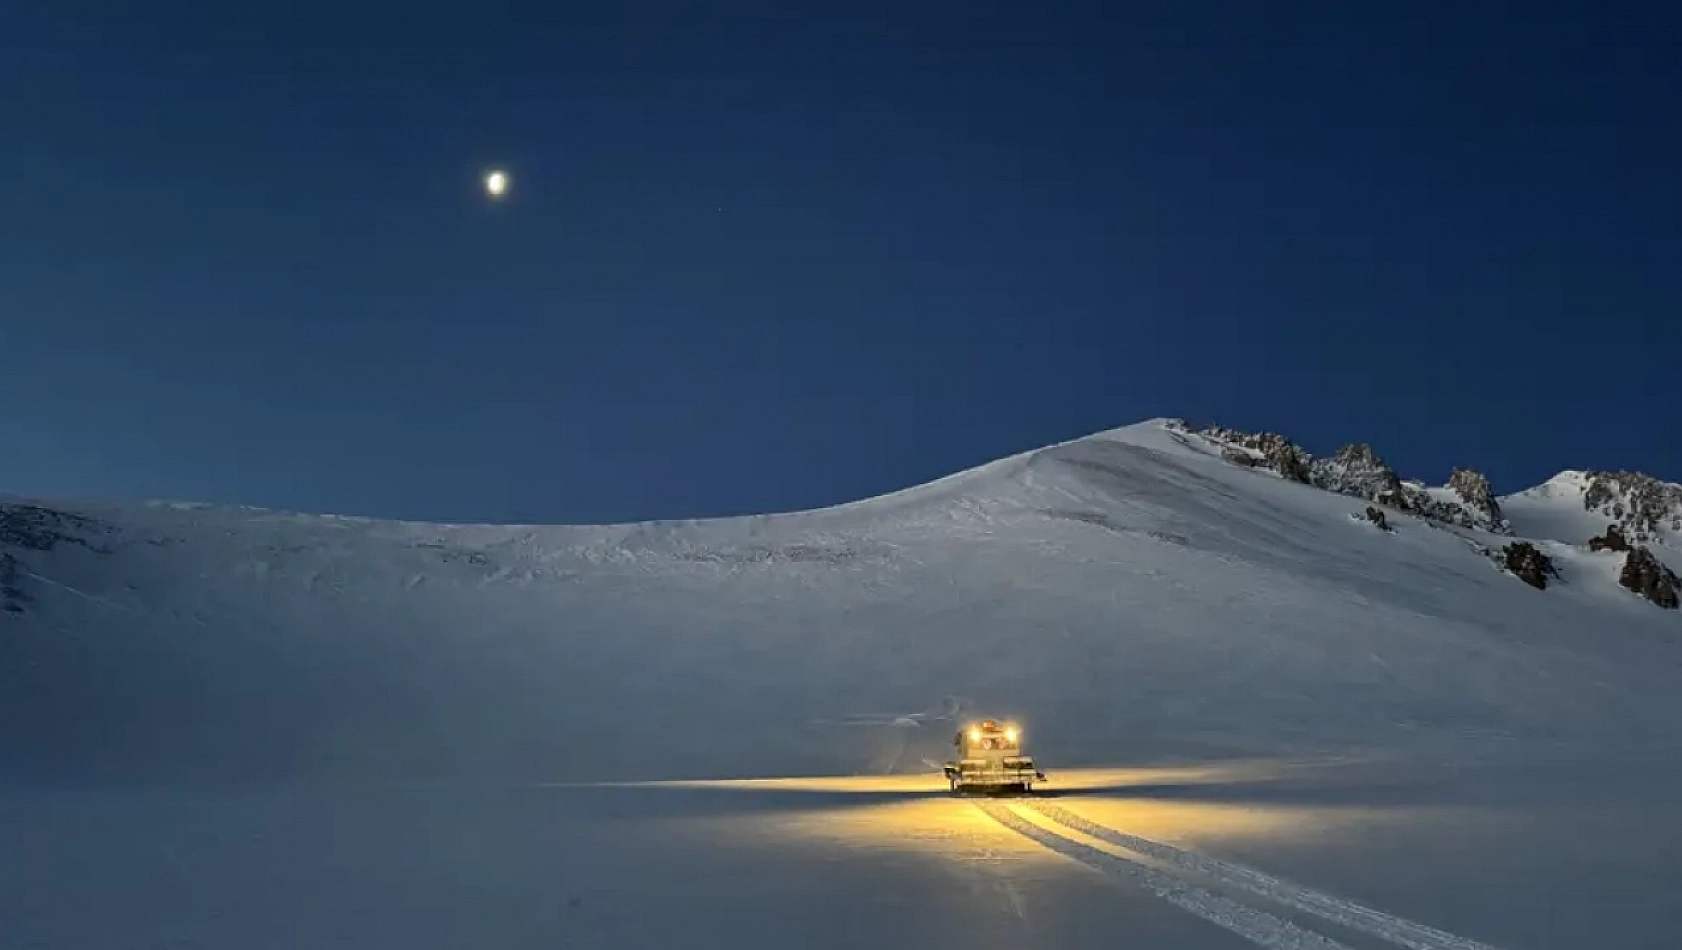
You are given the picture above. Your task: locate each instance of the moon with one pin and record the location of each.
(496, 183)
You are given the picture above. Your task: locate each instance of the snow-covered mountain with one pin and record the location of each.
(1160, 590)
(1357, 470)
(1575, 506)
(1620, 512)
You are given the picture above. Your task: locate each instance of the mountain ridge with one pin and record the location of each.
(1668, 494)
(1132, 594)
(1640, 507)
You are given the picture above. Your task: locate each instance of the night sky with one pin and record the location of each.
(758, 257)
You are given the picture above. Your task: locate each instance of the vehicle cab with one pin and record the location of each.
(989, 756)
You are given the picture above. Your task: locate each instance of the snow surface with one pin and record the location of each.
(249, 728)
(1555, 510)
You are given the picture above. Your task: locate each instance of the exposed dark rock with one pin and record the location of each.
(1648, 576)
(12, 598)
(34, 528)
(1285, 458)
(1641, 504)
(1357, 470)
(1475, 493)
(1421, 502)
(1523, 560)
(1612, 540)
(1277, 452)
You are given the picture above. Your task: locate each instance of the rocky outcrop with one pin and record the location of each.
(33, 528)
(1646, 575)
(12, 597)
(1358, 471)
(1524, 561)
(1612, 540)
(1475, 494)
(1268, 450)
(1419, 500)
(29, 528)
(1286, 458)
(1640, 508)
(1640, 504)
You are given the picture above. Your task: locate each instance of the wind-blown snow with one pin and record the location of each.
(235, 727)
(1128, 594)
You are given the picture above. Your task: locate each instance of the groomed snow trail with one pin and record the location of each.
(1325, 906)
(1174, 883)
(1258, 926)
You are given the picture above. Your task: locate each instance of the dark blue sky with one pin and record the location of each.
(761, 258)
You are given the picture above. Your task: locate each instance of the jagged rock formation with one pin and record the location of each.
(1524, 561)
(1640, 504)
(1644, 574)
(1358, 471)
(1612, 540)
(33, 528)
(1475, 493)
(1266, 449)
(1419, 500)
(1640, 508)
(1286, 458)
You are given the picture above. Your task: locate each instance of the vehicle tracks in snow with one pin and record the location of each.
(1174, 874)
(1347, 913)
(1254, 924)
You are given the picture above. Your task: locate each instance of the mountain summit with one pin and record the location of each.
(1160, 590)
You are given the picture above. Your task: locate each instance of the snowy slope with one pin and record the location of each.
(1555, 509)
(254, 729)
(1574, 506)
(1130, 595)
